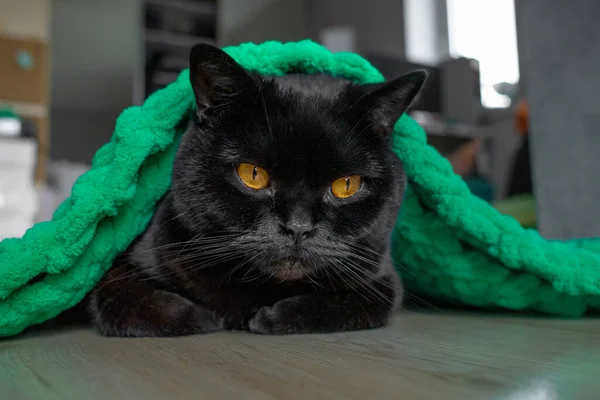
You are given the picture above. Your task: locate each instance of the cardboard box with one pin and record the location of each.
(23, 70)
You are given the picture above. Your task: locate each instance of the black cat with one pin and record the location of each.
(285, 192)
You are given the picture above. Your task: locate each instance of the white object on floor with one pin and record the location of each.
(63, 175)
(10, 126)
(18, 197)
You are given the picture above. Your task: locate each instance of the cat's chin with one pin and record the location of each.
(289, 270)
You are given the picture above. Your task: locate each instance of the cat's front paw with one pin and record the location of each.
(264, 321)
(281, 319)
(285, 317)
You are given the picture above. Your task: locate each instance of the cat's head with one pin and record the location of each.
(296, 173)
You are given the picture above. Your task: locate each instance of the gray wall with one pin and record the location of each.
(379, 23)
(260, 20)
(96, 46)
(559, 50)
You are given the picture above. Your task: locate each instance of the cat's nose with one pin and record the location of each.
(298, 230)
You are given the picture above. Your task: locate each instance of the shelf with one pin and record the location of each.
(195, 7)
(434, 124)
(173, 40)
(170, 29)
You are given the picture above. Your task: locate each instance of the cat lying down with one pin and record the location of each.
(284, 195)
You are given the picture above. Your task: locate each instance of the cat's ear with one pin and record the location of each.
(386, 102)
(215, 76)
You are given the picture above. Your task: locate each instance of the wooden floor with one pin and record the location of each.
(422, 355)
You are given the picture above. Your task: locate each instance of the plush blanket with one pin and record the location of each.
(447, 243)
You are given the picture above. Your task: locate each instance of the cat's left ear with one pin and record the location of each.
(386, 102)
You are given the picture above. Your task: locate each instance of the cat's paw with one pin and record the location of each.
(285, 317)
(264, 321)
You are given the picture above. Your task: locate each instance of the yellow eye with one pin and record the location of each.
(253, 176)
(347, 186)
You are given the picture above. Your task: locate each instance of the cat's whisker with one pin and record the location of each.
(328, 275)
(191, 257)
(251, 269)
(364, 279)
(413, 296)
(241, 264)
(360, 248)
(353, 283)
(365, 115)
(252, 278)
(206, 257)
(129, 274)
(196, 267)
(313, 281)
(264, 104)
(195, 250)
(204, 251)
(197, 242)
(378, 293)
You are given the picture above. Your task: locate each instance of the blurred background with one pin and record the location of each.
(511, 99)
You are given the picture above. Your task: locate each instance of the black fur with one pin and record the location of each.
(219, 255)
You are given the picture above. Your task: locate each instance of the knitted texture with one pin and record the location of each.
(447, 243)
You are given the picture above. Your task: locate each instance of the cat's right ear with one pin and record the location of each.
(215, 76)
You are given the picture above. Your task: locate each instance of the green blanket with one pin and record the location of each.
(447, 243)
